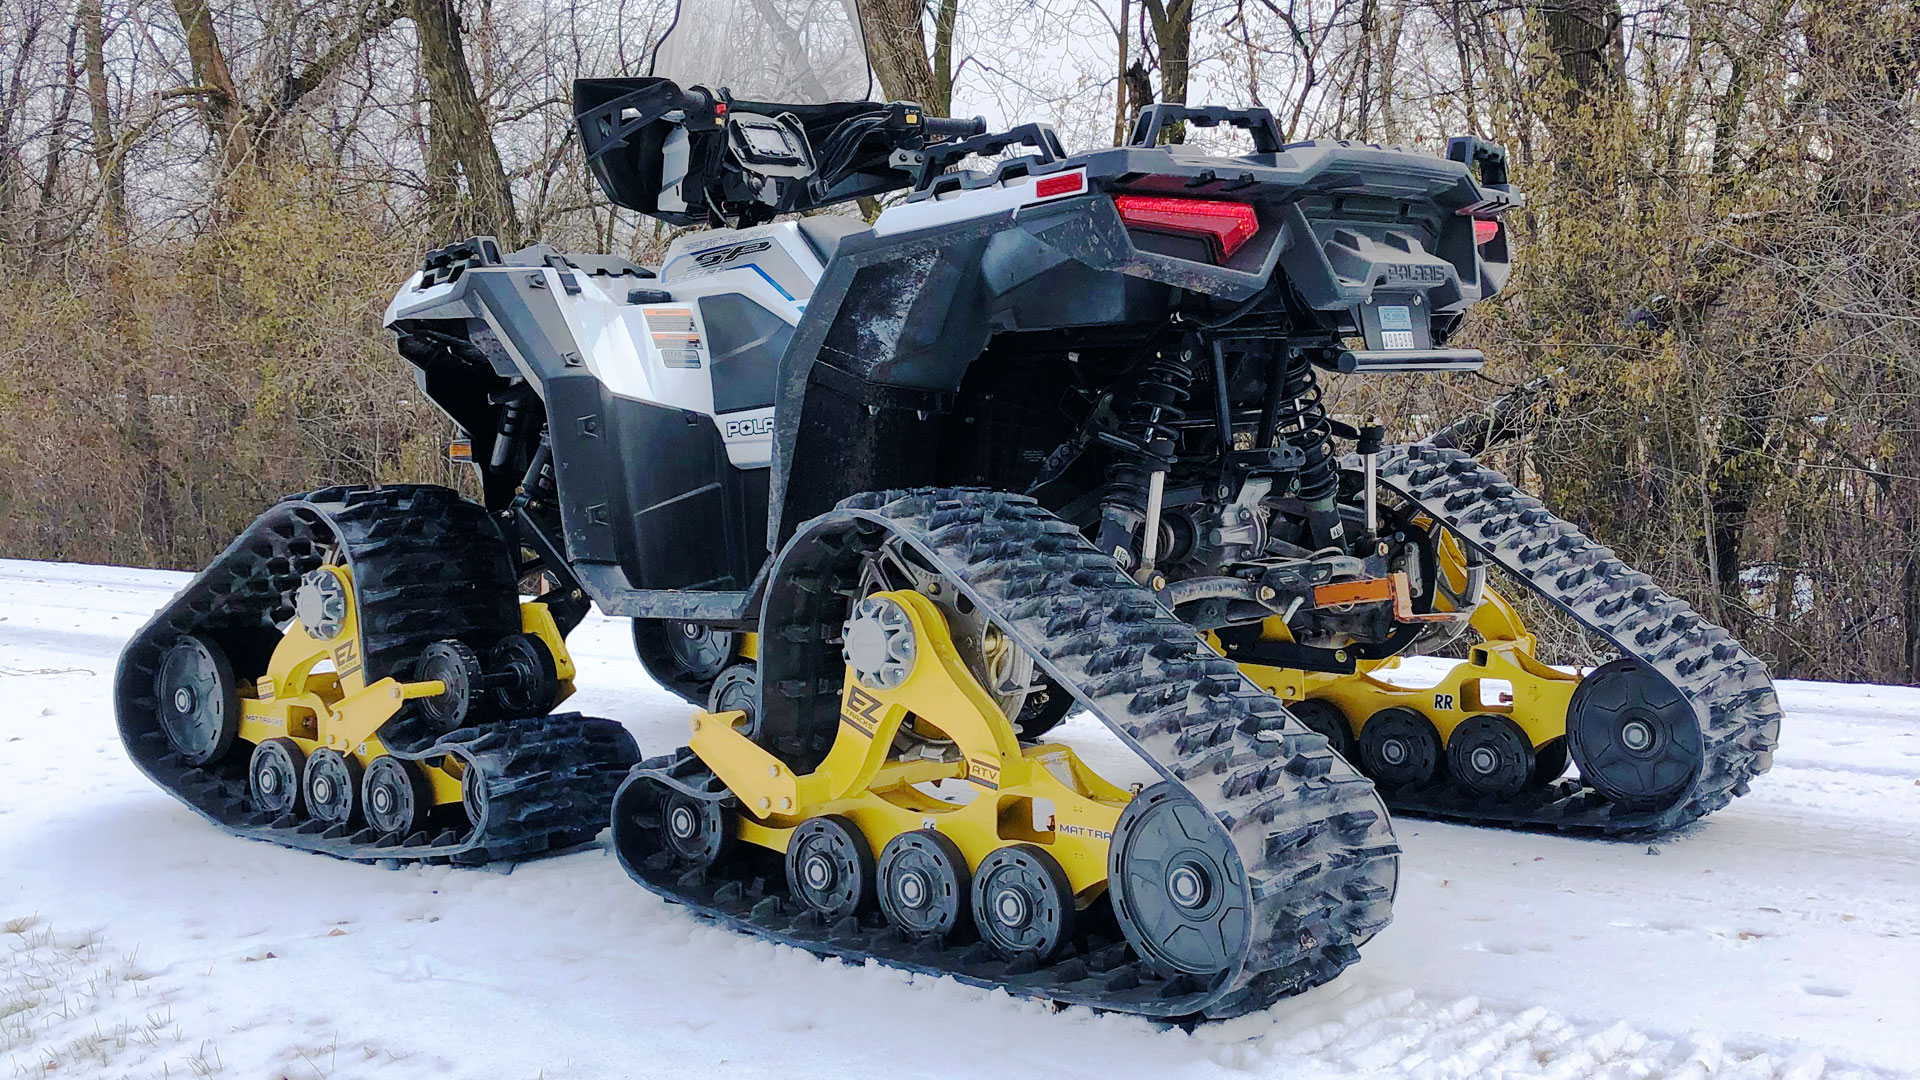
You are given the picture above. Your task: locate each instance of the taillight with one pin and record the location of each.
(1484, 230)
(1229, 224)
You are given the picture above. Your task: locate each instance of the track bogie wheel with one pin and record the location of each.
(198, 700)
(1634, 736)
(738, 688)
(1399, 748)
(394, 797)
(699, 832)
(331, 786)
(1023, 902)
(1325, 718)
(830, 868)
(458, 667)
(527, 678)
(274, 778)
(1178, 886)
(923, 885)
(1490, 756)
(473, 794)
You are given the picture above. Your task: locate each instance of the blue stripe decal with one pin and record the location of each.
(755, 267)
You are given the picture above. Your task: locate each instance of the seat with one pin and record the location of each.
(823, 232)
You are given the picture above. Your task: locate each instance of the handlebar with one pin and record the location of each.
(941, 127)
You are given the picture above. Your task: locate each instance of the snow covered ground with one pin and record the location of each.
(1781, 938)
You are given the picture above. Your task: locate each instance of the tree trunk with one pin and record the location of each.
(218, 98)
(40, 246)
(1121, 84)
(454, 109)
(1173, 36)
(897, 49)
(107, 154)
(10, 173)
(1585, 36)
(943, 21)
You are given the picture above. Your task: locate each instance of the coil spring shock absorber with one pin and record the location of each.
(1295, 412)
(1145, 445)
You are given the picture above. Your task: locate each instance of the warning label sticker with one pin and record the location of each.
(675, 335)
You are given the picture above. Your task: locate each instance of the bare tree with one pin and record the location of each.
(897, 47)
(460, 138)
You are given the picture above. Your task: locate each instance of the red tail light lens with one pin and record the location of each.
(1484, 230)
(1229, 224)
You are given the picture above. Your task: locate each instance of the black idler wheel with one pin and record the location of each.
(830, 868)
(640, 824)
(332, 786)
(1490, 756)
(1399, 748)
(1634, 736)
(1325, 718)
(701, 651)
(273, 777)
(394, 797)
(1178, 886)
(458, 667)
(699, 832)
(1023, 903)
(524, 677)
(198, 700)
(924, 885)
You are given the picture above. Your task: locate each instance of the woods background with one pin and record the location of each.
(204, 206)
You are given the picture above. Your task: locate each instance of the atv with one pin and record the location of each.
(887, 499)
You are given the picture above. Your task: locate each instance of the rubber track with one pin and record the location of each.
(1311, 834)
(427, 565)
(1729, 688)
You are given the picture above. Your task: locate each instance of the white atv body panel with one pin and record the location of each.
(662, 353)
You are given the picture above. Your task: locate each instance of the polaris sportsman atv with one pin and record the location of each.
(886, 500)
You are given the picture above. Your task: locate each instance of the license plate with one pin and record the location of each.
(1395, 324)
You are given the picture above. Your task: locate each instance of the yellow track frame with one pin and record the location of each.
(1539, 694)
(1040, 795)
(339, 710)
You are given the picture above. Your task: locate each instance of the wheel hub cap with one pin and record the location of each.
(1637, 735)
(382, 800)
(1187, 884)
(269, 781)
(913, 889)
(1483, 760)
(1010, 907)
(681, 822)
(322, 789)
(819, 871)
(183, 700)
(321, 604)
(1394, 751)
(879, 644)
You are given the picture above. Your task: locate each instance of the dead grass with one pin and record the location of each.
(71, 1006)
